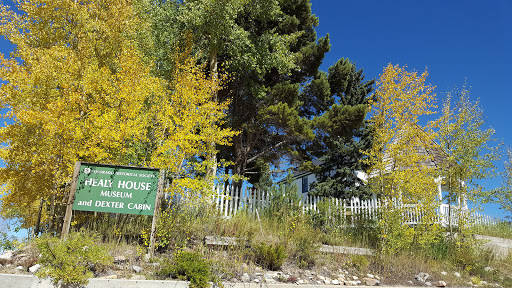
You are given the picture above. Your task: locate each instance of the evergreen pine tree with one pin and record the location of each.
(343, 133)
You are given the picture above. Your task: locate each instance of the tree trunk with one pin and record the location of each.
(212, 158)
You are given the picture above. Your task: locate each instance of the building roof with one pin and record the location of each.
(435, 156)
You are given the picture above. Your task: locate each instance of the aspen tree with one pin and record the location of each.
(77, 88)
(470, 153)
(398, 173)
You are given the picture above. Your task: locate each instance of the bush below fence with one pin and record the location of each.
(230, 201)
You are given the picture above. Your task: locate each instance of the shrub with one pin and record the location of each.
(284, 202)
(304, 238)
(269, 256)
(182, 225)
(190, 266)
(360, 263)
(69, 262)
(7, 242)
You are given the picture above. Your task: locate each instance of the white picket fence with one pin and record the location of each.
(230, 201)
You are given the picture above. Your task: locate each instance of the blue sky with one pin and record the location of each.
(454, 40)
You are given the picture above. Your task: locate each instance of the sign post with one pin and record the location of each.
(152, 239)
(113, 189)
(69, 212)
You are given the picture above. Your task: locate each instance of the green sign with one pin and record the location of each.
(116, 189)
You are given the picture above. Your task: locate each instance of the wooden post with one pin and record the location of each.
(71, 199)
(152, 239)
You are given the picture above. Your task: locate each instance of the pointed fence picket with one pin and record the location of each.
(230, 200)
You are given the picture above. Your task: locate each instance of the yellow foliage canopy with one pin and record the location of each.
(398, 172)
(77, 89)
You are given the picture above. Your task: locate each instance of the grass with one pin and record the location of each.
(284, 238)
(501, 230)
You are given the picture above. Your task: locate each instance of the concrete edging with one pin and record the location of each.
(31, 281)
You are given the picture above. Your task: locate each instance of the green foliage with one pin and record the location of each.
(360, 263)
(193, 267)
(364, 231)
(342, 134)
(190, 266)
(503, 194)
(304, 240)
(7, 242)
(501, 230)
(181, 223)
(284, 201)
(69, 262)
(270, 256)
(469, 148)
(271, 53)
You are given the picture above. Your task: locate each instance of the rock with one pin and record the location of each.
(114, 276)
(321, 277)
(119, 259)
(483, 283)
(258, 274)
(488, 269)
(428, 284)
(138, 277)
(19, 268)
(137, 269)
(377, 277)
(410, 282)
(256, 280)
(8, 255)
(370, 276)
(319, 282)
(444, 273)
(34, 268)
(355, 277)
(422, 277)
(270, 281)
(300, 281)
(456, 274)
(358, 282)
(350, 283)
(370, 281)
(440, 284)
(327, 282)
(245, 277)
(335, 282)
(269, 278)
